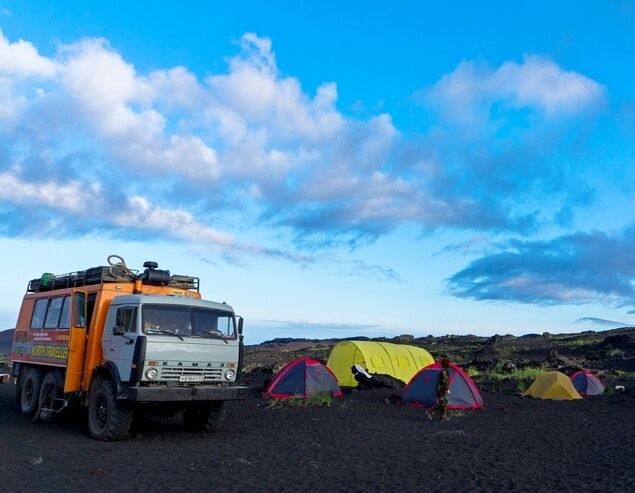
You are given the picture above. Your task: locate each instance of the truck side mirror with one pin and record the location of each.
(240, 326)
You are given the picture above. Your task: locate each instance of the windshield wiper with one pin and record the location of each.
(167, 332)
(215, 334)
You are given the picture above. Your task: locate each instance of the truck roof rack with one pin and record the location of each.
(106, 274)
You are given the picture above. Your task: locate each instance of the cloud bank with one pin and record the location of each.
(89, 145)
(572, 269)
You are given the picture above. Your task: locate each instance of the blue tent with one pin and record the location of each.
(301, 378)
(586, 383)
(421, 390)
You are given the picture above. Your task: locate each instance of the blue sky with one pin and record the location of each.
(334, 169)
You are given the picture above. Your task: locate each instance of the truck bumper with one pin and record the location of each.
(184, 394)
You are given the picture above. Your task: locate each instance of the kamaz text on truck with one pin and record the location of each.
(122, 343)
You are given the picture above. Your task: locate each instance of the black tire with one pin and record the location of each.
(17, 397)
(30, 391)
(51, 393)
(205, 417)
(109, 419)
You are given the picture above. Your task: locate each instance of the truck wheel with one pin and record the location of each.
(51, 392)
(108, 418)
(17, 397)
(30, 394)
(208, 417)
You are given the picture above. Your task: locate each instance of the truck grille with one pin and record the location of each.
(173, 373)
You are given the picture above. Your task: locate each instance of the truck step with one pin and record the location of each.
(59, 403)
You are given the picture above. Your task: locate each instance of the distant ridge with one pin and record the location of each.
(409, 338)
(6, 339)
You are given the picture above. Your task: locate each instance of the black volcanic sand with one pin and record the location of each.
(360, 443)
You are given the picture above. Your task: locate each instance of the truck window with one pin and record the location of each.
(39, 312)
(53, 313)
(65, 316)
(187, 321)
(90, 308)
(127, 318)
(159, 319)
(209, 323)
(79, 315)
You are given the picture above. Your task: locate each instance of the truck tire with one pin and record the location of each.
(19, 381)
(51, 396)
(109, 419)
(30, 392)
(205, 417)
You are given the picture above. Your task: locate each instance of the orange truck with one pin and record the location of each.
(121, 344)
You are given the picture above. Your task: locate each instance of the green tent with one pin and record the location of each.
(397, 360)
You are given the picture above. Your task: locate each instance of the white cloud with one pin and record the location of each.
(542, 83)
(120, 106)
(177, 88)
(97, 76)
(22, 59)
(10, 103)
(140, 213)
(252, 95)
(468, 94)
(20, 64)
(136, 213)
(71, 197)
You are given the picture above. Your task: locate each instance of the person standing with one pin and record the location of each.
(442, 390)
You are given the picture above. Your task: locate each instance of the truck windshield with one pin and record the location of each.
(187, 321)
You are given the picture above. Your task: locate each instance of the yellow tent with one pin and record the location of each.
(397, 360)
(553, 385)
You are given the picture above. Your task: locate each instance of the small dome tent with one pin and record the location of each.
(587, 383)
(421, 389)
(552, 385)
(302, 377)
(397, 360)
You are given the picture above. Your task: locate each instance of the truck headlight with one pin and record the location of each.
(230, 374)
(151, 373)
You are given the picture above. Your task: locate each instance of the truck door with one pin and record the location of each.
(76, 343)
(120, 334)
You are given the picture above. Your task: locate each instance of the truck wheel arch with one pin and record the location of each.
(107, 370)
